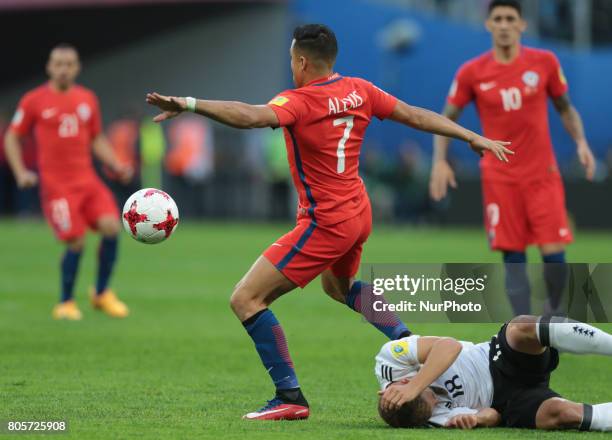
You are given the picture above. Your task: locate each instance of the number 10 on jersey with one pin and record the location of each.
(348, 120)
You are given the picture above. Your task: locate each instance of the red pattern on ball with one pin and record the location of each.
(167, 225)
(150, 192)
(132, 217)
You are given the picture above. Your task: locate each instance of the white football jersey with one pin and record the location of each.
(464, 388)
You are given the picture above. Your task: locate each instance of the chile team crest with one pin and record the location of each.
(84, 111)
(531, 80)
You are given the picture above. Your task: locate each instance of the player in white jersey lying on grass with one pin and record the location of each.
(441, 382)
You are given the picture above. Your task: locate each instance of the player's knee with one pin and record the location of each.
(569, 416)
(333, 290)
(236, 300)
(243, 300)
(551, 248)
(559, 414)
(76, 244)
(522, 327)
(109, 227)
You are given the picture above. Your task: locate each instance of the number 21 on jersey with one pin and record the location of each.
(69, 126)
(348, 120)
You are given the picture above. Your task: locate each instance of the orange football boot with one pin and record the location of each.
(67, 310)
(108, 302)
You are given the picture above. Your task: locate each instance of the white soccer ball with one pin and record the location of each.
(150, 215)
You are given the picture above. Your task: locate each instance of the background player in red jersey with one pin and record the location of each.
(524, 202)
(324, 120)
(66, 122)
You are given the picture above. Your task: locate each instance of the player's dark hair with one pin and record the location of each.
(508, 3)
(317, 40)
(413, 414)
(64, 46)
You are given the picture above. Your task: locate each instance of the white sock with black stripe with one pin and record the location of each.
(573, 337)
(597, 417)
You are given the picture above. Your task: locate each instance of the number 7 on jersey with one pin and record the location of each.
(342, 143)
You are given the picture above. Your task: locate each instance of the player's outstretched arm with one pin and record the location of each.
(232, 113)
(435, 123)
(485, 418)
(436, 355)
(442, 175)
(24, 177)
(574, 126)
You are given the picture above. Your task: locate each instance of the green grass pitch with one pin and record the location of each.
(181, 366)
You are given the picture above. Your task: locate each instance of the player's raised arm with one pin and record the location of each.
(442, 175)
(436, 355)
(232, 113)
(574, 126)
(426, 120)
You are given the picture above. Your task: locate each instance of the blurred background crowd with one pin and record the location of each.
(238, 50)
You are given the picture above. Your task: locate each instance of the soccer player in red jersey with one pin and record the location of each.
(324, 120)
(524, 201)
(65, 119)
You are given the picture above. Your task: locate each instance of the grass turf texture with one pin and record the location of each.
(183, 367)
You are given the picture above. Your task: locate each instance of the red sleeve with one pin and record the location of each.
(382, 103)
(461, 91)
(24, 116)
(557, 83)
(96, 118)
(288, 106)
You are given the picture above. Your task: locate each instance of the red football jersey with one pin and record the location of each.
(511, 100)
(325, 122)
(64, 125)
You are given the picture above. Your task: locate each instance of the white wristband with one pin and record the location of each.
(190, 102)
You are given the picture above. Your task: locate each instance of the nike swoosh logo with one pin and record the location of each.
(276, 244)
(281, 380)
(48, 113)
(301, 411)
(485, 87)
(273, 411)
